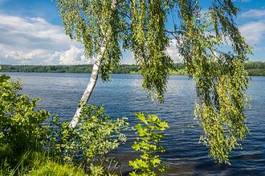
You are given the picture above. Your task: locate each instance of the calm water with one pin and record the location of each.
(123, 96)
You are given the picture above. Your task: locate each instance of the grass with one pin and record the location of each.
(37, 164)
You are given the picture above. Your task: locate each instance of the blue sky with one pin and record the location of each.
(31, 32)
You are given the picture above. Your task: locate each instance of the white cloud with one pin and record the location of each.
(173, 52)
(35, 41)
(254, 28)
(254, 32)
(253, 13)
(72, 56)
(242, 0)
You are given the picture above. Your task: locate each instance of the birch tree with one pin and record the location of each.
(210, 43)
(96, 25)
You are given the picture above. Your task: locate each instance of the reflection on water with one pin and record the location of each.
(123, 97)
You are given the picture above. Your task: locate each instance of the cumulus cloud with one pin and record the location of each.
(173, 52)
(36, 41)
(254, 32)
(253, 13)
(72, 56)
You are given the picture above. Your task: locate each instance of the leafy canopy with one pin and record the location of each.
(220, 77)
(135, 25)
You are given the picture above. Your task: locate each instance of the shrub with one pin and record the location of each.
(90, 141)
(147, 144)
(21, 124)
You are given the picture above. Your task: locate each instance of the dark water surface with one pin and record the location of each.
(123, 96)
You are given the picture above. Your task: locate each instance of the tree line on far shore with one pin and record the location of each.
(253, 68)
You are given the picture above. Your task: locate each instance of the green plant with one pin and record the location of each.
(21, 124)
(51, 168)
(220, 77)
(90, 142)
(5, 169)
(149, 132)
(39, 163)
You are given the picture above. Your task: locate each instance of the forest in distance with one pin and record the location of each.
(253, 68)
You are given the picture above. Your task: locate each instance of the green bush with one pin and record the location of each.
(149, 132)
(89, 143)
(21, 124)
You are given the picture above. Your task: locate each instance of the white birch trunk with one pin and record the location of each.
(87, 93)
(93, 79)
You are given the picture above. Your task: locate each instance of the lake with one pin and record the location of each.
(123, 97)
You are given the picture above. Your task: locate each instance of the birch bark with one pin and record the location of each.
(87, 93)
(93, 78)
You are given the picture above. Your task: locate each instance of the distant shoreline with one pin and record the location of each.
(253, 68)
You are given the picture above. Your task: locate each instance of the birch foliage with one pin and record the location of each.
(220, 77)
(211, 46)
(95, 24)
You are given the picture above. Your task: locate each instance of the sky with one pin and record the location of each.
(31, 32)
